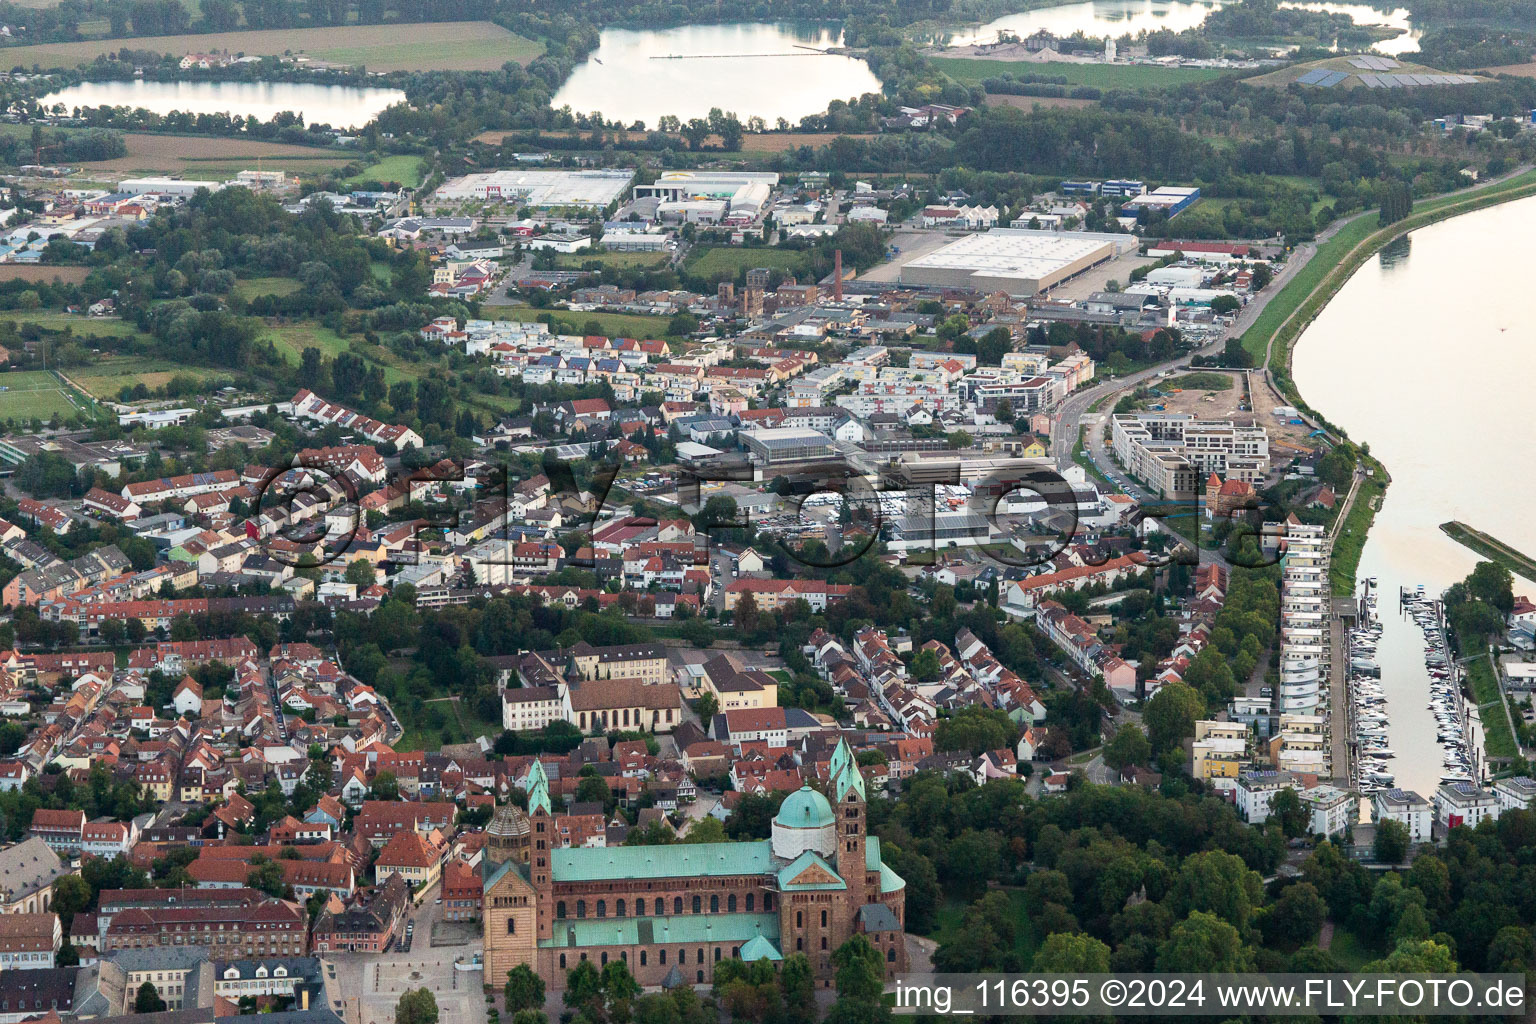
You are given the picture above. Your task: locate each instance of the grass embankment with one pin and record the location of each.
(1081, 457)
(1497, 739)
(1350, 542)
(1491, 548)
(1304, 296)
(611, 325)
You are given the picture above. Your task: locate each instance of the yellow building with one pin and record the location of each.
(1219, 751)
(734, 687)
(416, 858)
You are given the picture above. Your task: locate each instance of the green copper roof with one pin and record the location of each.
(538, 788)
(758, 948)
(689, 928)
(845, 772)
(592, 864)
(804, 808)
(890, 881)
(788, 872)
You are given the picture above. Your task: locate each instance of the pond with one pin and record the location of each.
(751, 70)
(1120, 17)
(340, 106)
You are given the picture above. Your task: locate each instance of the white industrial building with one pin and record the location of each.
(1019, 261)
(675, 186)
(545, 189)
(165, 186)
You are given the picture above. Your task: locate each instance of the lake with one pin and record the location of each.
(340, 106)
(1121, 17)
(767, 71)
(1426, 355)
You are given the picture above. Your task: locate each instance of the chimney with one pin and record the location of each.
(837, 275)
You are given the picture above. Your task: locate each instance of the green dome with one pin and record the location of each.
(804, 808)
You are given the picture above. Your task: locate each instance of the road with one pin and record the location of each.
(1068, 422)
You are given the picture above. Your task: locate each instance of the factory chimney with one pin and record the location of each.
(837, 275)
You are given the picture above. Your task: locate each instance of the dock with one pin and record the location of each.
(1346, 612)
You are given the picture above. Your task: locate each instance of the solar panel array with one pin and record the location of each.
(1370, 62)
(1325, 79)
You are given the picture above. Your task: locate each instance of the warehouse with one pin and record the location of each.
(540, 189)
(164, 186)
(1171, 200)
(676, 186)
(1013, 260)
(786, 444)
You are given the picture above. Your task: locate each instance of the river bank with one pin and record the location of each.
(1422, 355)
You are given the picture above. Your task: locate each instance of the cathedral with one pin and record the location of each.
(672, 912)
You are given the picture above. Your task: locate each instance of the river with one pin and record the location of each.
(1121, 17)
(340, 106)
(1426, 355)
(767, 71)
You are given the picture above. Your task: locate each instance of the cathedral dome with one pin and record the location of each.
(804, 808)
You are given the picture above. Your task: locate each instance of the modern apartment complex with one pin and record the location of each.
(1304, 614)
(1173, 453)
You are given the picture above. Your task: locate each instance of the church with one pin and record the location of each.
(672, 912)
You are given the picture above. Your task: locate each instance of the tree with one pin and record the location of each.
(1128, 747)
(416, 1006)
(360, 573)
(524, 989)
(148, 999)
(1285, 807)
(1295, 917)
(266, 875)
(707, 707)
(385, 786)
(860, 971)
(1204, 942)
(1072, 954)
(1219, 883)
(1171, 715)
(976, 729)
(1391, 843)
(798, 982)
(593, 789)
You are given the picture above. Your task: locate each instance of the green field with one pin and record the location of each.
(80, 326)
(617, 260)
(402, 168)
(614, 325)
(1497, 739)
(32, 394)
(253, 287)
(730, 260)
(972, 71)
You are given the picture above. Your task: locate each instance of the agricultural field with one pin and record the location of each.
(27, 272)
(429, 46)
(256, 286)
(208, 158)
(106, 379)
(404, 168)
(1043, 102)
(729, 260)
(33, 394)
(972, 71)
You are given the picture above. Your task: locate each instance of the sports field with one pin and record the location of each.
(32, 394)
(427, 46)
